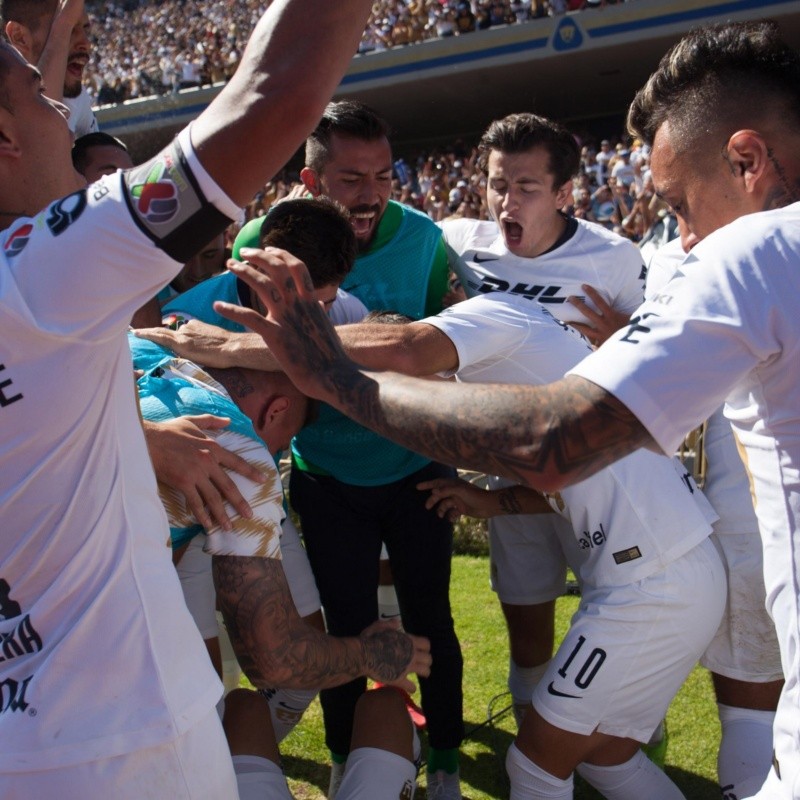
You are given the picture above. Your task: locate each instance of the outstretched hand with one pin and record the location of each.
(603, 322)
(191, 462)
(392, 655)
(453, 498)
(295, 327)
(196, 341)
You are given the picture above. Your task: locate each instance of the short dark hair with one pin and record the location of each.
(344, 118)
(29, 13)
(84, 143)
(720, 75)
(519, 133)
(315, 230)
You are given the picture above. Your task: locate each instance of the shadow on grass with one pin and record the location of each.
(308, 771)
(485, 770)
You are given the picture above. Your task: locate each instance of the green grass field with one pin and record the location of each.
(692, 720)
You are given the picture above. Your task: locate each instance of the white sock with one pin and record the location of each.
(530, 782)
(521, 683)
(257, 778)
(388, 607)
(745, 752)
(286, 707)
(523, 680)
(633, 780)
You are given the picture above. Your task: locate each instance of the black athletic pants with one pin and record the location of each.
(343, 527)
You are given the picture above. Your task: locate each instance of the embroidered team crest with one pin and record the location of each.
(157, 198)
(16, 242)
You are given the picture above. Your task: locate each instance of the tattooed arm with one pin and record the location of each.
(277, 648)
(545, 437)
(453, 497)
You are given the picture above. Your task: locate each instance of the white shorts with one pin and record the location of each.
(630, 648)
(195, 766)
(298, 571)
(197, 584)
(746, 645)
(526, 560)
(372, 774)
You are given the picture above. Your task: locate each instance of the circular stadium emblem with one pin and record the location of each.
(157, 198)
(568, 36)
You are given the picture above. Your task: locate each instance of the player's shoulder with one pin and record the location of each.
(462, 231)
(592, 232)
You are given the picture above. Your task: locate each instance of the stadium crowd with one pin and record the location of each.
(145, 48)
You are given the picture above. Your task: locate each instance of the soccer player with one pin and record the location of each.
(83, 550)
(353, 490)
(55, 37)
(530, 249)
(264, 409)
(722, 113)
(635, 536)
(97, 154)
(744, 657)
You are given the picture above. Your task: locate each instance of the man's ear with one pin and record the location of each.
(747, 155)
(9, 144)
(277, 406)
(311, 181)
(564, 193)
(20, 36)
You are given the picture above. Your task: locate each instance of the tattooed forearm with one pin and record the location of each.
(276, 647)
(508, 501)
(544, 436)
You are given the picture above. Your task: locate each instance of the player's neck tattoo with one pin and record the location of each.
(234, 380)
(785, 192)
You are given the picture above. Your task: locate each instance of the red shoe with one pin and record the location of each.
(414, 711)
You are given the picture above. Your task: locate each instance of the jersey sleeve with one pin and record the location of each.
(630, 293)
(258, 536)
(346, 309)
(686, 348)
(81, 267)
(481, 328)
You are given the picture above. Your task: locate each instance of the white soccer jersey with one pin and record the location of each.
(81, 116)
(726, 327)
(258, 536)
(726, 485)
(591, 255)
(99, 655)
(629, 519)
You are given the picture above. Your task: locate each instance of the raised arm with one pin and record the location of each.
(413, 349)
(69, 15)
(545, 437)
(296, 56)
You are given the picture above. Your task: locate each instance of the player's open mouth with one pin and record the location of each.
(512, 232)
(362, 221)
(75, 66)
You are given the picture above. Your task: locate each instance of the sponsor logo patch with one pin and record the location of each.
(631, 554)
(156, 199)
(16, 242)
